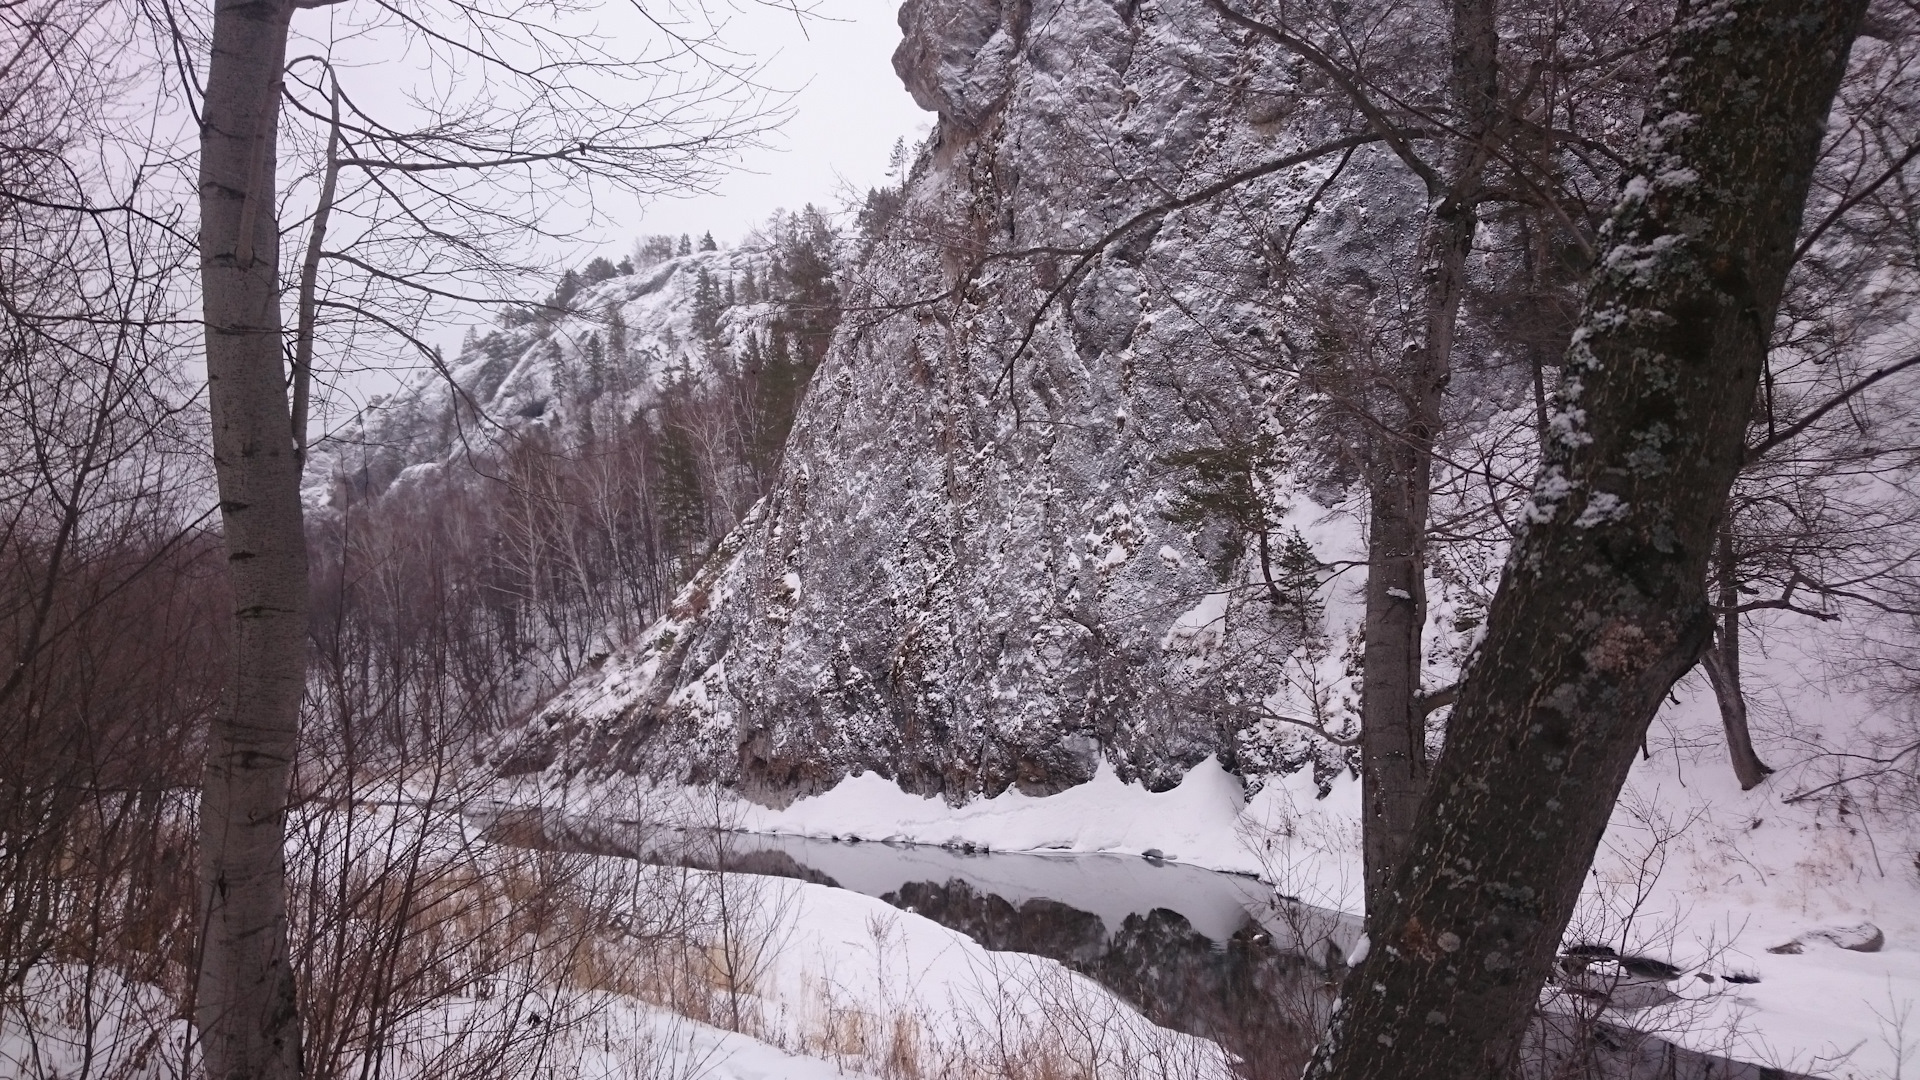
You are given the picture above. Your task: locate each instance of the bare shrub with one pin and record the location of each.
(109, 631)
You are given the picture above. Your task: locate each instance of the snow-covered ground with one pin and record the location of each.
(751, 978)
(625, 1039)
(852, 978)
(1693, 871)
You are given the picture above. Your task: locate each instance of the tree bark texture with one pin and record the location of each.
(1604, 601)
(1400, 473)
(245, 1003)
(1721, 662)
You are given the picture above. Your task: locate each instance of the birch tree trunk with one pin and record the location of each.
(1604, 602)
(244, 1007)
(1394, 765)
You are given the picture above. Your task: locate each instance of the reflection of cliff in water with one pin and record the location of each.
(1263, 1005)
(1214, 955)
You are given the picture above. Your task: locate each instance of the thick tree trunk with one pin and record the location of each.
(1393, 753)
(1604, 602)
(245, 1009)
(1721, 662)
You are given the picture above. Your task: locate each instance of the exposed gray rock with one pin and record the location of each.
(956, 57)
(965, 578)
(1864, 937)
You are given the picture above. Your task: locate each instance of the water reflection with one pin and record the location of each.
(1216, 955)
(1210, 954)
(1230, 990)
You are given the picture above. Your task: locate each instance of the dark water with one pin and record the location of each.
(1215, 955)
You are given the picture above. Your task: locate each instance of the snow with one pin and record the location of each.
(627, 1032)
(1200, 628)
(830, 983)
(1745, 873)
(517, 376)
(1826, 1005)
(844, 950)
(1697, 871)
(45, 1033)
(1602, 507)
(1194, 822)
(1693, 868)
(841, 984)
(1305, 846)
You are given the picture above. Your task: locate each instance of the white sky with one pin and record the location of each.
(848, 109)
(845, 110)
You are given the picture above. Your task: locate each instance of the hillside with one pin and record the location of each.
(968, 575)
(1071, 508)
(611, 351)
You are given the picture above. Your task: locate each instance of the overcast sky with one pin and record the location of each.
(848, 109)
(845, 110)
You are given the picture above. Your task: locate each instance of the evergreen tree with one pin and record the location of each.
(564, 385)
(1228, 485)
(754, 360)
(562, 298)
(596, 380)
(707, 244)
(882, 206)
(654, 250)
(812, 299)
(778, 378)
(617, 356)
(708, 306)
(597, 271)
(682, 502)
(685, 247)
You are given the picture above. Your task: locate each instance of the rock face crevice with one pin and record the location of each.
(967, 578)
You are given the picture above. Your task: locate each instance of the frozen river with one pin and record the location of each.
(1222, 956)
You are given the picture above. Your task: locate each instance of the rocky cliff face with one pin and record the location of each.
(606, 359)
(970, 575)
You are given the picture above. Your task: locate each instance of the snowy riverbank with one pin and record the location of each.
(1693, 871)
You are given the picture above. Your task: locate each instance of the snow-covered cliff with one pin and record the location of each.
(618, 343)
(969, 574)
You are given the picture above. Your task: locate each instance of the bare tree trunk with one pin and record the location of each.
(307, 295)
(1721, 662)
(1393, 756)
(1604, 602)
(1400, 473)
(244, 1007)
